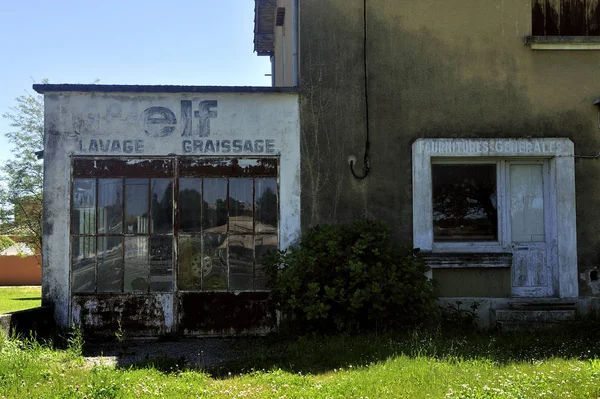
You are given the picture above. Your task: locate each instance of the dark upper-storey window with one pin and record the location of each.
(565, 18)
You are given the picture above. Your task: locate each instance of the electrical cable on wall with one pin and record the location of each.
(366, 160)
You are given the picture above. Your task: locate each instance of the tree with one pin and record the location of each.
(22, 176)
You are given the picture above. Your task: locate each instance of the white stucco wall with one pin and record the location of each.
(157, 124)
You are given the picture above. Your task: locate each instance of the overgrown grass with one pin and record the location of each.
(19, 298)
(411, 365)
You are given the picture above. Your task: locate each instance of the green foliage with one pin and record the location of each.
(21, 188)
(455, 318)
(351, 278)
(13, 299)
(413, 364)
(5, 242)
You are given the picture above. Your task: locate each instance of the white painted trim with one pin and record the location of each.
(560, 151)
(565, 46)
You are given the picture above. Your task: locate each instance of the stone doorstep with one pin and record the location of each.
(534, 316)
(531, 317)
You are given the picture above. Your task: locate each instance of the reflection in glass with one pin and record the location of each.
(136, 206)
(241, 262)
(83, 264)
(263, 244)
(266, 205)
(110, 264)
(190, 200)
(162, 206)
(214, 219)
(464, 202)
(526, 197)
(136, 264)
(161, 264)
(240, 205)
(190, 263)
(110, 202)
(83, 212)
(214, 262)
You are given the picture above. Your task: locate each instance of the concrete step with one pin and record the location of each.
(531, 318)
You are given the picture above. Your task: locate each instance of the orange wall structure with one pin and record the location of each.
(16, 270)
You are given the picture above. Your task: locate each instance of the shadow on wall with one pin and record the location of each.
(420, 85)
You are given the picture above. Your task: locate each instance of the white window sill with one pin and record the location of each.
(442, 260)
(563, 42)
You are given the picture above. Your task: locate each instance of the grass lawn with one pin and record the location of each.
(19, 298)
(409, 365)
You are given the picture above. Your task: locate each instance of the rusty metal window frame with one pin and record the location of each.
(174, 168)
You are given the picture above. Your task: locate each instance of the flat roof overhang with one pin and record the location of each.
(48, 88)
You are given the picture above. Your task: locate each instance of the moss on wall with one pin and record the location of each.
(456, 68)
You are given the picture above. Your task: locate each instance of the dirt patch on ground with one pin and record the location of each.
(197, 353)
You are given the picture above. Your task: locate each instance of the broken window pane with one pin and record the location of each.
(110, 206)
(263, 244)
(83, 264)
(190, 262)
(266, 205)
(136, 264)
(136, 206)
(241, 262)
(190, 204)
(162, 206)
(161, 264)
(83, 212)
(110, 264)
(240, 205)
(214, 262)
(214, 207)
(464, 202)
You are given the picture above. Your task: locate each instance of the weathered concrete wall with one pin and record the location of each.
(134, 125)
(457, 68)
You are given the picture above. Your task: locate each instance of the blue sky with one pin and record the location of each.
(197, 42)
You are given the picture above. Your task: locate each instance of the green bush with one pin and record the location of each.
(351, 278)
(5, 242)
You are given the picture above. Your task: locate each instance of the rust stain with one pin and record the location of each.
(136, 314)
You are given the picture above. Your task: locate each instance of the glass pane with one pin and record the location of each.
(527, 203)
(162, 206)
(110, 264)
(136, 264)
(464, 202)
(161, 264)
(241, 262)
(214, 262)
(83, 264)
(190, 263)
(110, 203)
(240, 205)
(83, 213)
(266, 205)
(214, 219)
(136, 206)
(263, 244)
(190, 198)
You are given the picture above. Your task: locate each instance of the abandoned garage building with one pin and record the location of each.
(470, 126)
(160, 201)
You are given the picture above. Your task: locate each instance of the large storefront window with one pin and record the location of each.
(141, 226)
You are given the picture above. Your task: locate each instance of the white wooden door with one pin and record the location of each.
(528, 232)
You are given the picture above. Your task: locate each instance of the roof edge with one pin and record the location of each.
(47, 88)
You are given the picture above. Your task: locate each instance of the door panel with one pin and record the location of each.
(531, 273)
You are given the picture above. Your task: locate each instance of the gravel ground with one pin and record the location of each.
(199, 353)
